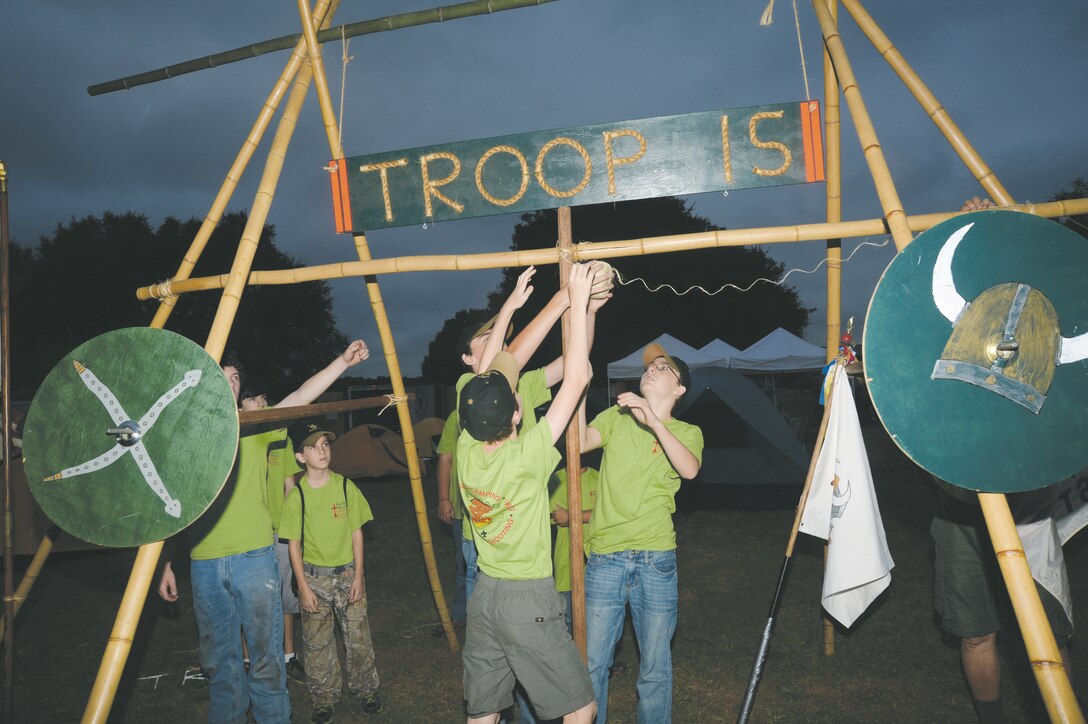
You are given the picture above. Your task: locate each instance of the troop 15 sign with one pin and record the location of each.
(692, 153)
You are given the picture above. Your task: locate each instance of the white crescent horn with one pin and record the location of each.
(1073, 349)
(949, 302)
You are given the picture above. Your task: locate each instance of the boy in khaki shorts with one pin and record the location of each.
(515, 624)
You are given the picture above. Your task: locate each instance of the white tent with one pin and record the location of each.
(632, 366)
(719, 350)
(780, 351)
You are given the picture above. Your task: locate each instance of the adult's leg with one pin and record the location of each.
(358, 644)
(256, 585)
(288, 599)
(981, 666)
(653, 611)
(606, 598)
(319, 641)
(219, 627)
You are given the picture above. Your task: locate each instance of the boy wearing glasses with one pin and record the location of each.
(632, 541)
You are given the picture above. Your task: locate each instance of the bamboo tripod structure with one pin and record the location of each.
(233, 284)
(5, 412)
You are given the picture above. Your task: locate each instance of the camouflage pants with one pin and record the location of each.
(323, 676)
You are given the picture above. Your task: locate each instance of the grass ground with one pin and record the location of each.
(894, 666)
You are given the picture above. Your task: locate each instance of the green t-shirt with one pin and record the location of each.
(507, 502)
(330, 520)
(532, 389)
(561, 551)
(636, 495)
(447, 445)
(281, 463)
(238, 520)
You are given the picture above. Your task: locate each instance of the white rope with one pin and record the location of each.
(345, 59)
(813, 270)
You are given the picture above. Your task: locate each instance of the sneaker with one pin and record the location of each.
(371, 704)
(322, 714)
(295, 670)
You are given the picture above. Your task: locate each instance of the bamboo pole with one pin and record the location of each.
(863, 125)
(929, 103)
(574, 464)
(279, 414)
(32, 571)
(5, 412)
(1046, 661)
(590, 250)
(833, 189)
(385, 332)
(324, 10)
(748, 700)
(128, 615)
(351, 30)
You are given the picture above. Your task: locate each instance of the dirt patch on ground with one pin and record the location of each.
(893, 666)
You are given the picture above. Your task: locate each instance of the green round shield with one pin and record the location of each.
(130, 437)
(975, 347)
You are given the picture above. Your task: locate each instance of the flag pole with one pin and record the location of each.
(765, 640)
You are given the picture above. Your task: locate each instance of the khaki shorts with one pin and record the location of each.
(516, 630)
(966, 576)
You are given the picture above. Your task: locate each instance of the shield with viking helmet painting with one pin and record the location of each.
(976, 351)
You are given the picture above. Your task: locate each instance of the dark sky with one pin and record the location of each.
(1006, 70)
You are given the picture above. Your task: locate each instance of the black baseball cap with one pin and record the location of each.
(487, 403)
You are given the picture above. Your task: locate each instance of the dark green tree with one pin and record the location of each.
(635, 314)
(1078, 189)
(81, 282)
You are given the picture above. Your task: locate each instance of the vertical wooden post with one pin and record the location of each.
(833, 188)
(870, 144)
(574, 464)
(1046, 660)
(5, 391)
(362, 249)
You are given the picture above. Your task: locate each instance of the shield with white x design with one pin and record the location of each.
(112, 479)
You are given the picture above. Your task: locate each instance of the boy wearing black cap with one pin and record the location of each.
(631, 537)
(322, 522)
(516, 628)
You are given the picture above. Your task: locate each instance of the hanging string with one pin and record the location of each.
(393, 400)
(768, 17)
(625, 282)
(344, 60)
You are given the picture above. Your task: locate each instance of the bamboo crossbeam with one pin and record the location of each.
(323, 10)
(128, 614)
(351, 30)
(863, 126)
(381, 319)
(929, 103)
(1046, 661)
(279, 414)
(591, 250)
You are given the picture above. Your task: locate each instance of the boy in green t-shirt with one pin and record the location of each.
(632, 543)
(515, 629)
(322, 522)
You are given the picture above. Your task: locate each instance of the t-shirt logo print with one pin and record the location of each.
(339, 510)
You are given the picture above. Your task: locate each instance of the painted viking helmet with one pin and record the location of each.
(1008, 340)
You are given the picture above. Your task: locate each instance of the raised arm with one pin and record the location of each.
(684, 460)
(516, 300)
(312, 388)
(576, 370)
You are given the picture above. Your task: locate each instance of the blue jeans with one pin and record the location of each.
(468, 552)
(646, 580)
(230, 594)
(457, 610)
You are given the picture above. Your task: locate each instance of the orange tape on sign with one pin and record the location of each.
(813, 139)
(341, 200)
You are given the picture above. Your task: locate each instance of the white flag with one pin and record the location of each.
(842, 509)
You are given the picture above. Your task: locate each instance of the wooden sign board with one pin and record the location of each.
(694, 153)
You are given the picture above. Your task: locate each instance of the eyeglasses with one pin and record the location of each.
(661, 367)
